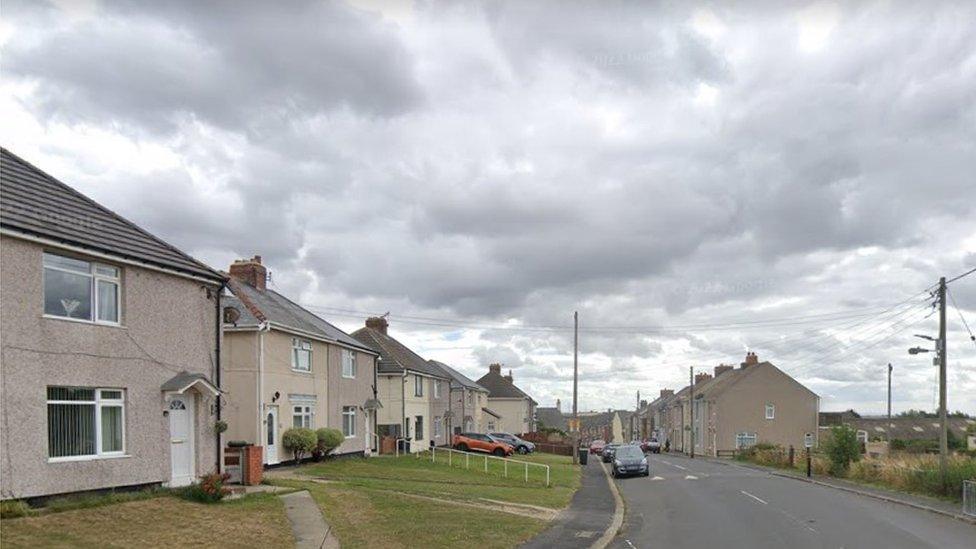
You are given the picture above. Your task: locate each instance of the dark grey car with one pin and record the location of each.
(630, 460)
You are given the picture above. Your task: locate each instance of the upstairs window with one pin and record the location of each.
(437, 388)
(770, 411)
(418, 386)
(348, 363)
(81, 290)
(301, 355)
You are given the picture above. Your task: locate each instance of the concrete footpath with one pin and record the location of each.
(307, 524)
(594, 510)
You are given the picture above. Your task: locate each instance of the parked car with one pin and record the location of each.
(521, 446)
(653, 445)
(596, 447)
(629, 460)
(477, 442)
(608, 451)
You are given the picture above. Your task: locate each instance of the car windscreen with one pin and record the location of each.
(629, 452)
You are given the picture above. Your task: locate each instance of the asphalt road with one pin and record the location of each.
(689, 503)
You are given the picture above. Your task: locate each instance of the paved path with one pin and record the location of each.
(697, 503)
(307, 524)
(588, 516)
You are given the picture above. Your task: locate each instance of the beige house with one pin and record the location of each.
(414, 392)
(468, 407)
(108, 338)
(735, 408)
(512, 408)
(285, 367)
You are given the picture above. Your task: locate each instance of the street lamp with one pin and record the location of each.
(917, 350)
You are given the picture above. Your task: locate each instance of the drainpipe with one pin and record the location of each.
(218, 324)
(403, 408)
(260, 384)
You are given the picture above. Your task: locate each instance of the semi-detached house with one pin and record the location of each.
(286, 367)
(414, 392)
(515, 408)
(467, 409)
(110, 340)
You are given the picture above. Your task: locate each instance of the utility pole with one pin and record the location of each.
(943, 413)
(576, 385)
(691, 408)
(889, 393)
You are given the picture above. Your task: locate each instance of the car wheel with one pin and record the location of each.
(499, 452)
(462, 447)
(523, 450)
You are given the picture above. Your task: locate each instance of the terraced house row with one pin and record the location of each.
(123, 358)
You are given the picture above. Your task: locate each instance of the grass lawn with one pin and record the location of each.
(372, 502)
(256, 521)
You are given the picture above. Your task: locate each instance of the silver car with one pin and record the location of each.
(521, 446)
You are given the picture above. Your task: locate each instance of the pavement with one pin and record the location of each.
(696, 503)
(307, 524)
(589, 516)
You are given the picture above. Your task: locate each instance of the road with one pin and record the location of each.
(689, 503)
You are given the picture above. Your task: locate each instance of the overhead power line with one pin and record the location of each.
(962, 318)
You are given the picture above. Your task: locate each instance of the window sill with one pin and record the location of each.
(297, 371)
(350, 436)
(344, 376)
(84, 321)
(87, 458)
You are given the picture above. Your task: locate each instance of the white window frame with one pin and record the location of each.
(304, 411)
(862, 436)
(99, 404)
(94, 278)
(348, 364)
(299, 345)
(437, 427)
(418, 386)
(770, 411)
(437, 387)
(742, 437)
(491, 425)
(349, 414)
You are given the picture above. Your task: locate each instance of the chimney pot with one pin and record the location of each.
(250, 272)
(377, 323)
(495, 368)
(751, 360)
(700, 377)
(509, 376)
(722, 368)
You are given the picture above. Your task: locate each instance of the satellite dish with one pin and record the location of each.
(231, 315)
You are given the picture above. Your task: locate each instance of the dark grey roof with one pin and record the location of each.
(257, 306)
(395, 356)
(183, 380)
(34, 203)
(489, 412)
(551, 417)
(500, 387)
(907, 428)
(457, 378)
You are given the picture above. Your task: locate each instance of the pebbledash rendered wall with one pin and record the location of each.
(165, 319)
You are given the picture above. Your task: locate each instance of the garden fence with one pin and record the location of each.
(466, 458)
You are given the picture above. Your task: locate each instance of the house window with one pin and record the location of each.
(301, 416)
(349, 421)
(491, 425)
(437, 388)
(469, 397)
(301, 355)
(81, 290)
(862, 436)
(745, 440)
(418, 386)
(770, 411)
(348, 364)
(437, 427)
(85, 422)
(419, 430)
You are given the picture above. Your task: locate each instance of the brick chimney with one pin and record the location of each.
(700, 377)
(751, 360)
(495, 368)
(377, 323)
(250, 272)
(509, 376)
(667, 392)
(722, 368)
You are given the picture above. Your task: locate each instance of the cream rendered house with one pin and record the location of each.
(515, 408)
(285, 367)
(468, 407)
(414, 392)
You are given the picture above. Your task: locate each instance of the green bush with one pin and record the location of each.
(210, 489)
(328, 440)
(842, 448)
(300, 442)
(14, 508)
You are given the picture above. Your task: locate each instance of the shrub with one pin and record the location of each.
(328, 440)
(220, 426)
(300, 441)
(14, 508)
(210, 489)
(842, 448)
(916, 473)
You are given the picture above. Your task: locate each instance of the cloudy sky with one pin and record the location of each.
(695, 181)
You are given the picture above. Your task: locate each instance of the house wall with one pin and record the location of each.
(741, 408)
(239, 378)
(391, 412)
(351, 392)
(438, 407)
(167, 326)
(515, 414)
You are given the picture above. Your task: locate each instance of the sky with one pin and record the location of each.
(697, 181)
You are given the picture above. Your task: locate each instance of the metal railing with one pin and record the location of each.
(969, 497)
(409, 444)
(516, 463)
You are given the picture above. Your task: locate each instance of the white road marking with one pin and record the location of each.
(753, 497)
(630, 544)
(655, 477)
(691, 477)
(679, 467)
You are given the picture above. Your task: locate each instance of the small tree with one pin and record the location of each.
(328, 440)
(299, 441)
(842, 448)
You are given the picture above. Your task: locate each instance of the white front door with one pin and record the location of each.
(271, 435)
(181, 440)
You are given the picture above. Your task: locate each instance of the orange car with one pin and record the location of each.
(476, 442)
